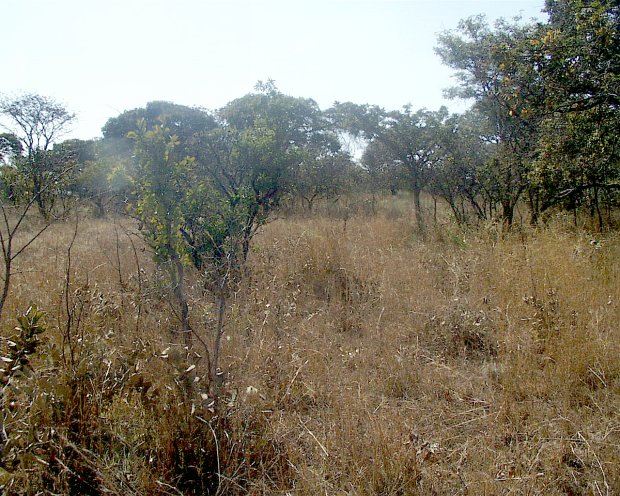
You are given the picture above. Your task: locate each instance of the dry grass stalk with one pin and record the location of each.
(355, 361)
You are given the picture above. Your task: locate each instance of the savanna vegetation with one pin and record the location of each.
(229, 302)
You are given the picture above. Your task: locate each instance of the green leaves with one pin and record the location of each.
(551, 91)
(203, 208)
(22, 344)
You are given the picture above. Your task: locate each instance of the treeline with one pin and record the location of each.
(543, 131)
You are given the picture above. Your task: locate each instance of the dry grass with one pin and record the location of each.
(358, 359)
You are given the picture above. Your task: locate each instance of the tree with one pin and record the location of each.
(494, 70)
(37, 122)
(322, 176)
(577, 52)
(10, 147)
(263, 141)
(182, 121)
(201, 210)
(409, 140)
(460, 177)
(161, 187)
(33, 175)
(115, 152)
(381, 172)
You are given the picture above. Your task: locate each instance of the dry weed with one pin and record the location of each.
(357, 359)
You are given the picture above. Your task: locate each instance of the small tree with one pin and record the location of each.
(188, 222)
(202, 211)
(33, 174)
(13, 214)
(161, 187)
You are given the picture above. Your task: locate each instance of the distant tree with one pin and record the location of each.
(460, 177)
(182, 121)
(10, 151)
(382, 172)
(91, 178)
(322, 176)
(409, 141)
(10, 147)
(38, 122)
(263, 141)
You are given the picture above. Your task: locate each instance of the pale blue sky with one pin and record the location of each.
(103, 57)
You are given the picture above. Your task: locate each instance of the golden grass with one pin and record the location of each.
(359, 359)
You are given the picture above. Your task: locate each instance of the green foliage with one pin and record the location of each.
(182, 121)
(264, 143)
(14, 185)
(161, 185)
(550, 90)
(579, 160)
(22, 344)
(10, 147)
(494, 69)
(404, 142)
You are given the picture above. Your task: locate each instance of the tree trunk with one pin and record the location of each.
(248, 232)
(508, 211)
(418, 210)
(37, 192)
(534, 208)
(7, 280)
(599, 216)
(214, 385)
(99, 207)
(178, 288)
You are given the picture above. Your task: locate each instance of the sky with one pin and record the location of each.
(100, 58)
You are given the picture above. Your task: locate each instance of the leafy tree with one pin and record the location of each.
(578, 49)
(322, 176)
(182, 121)
(35, 174)
(90, 180)
(10, 147)
(460, 176)
(201, 209)
(161, 187)
(37, 122)
(577, 52)
(115, 165)
(409, 140)
(495, 70)
(264, 140)
(382, 173)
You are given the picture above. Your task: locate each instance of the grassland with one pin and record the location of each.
(358, 359)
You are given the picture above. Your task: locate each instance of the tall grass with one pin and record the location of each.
(358, 358)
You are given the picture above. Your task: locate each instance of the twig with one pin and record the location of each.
(288, 389)
(598, 461)
(313, 436)
(169, 487)
(217, 453)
